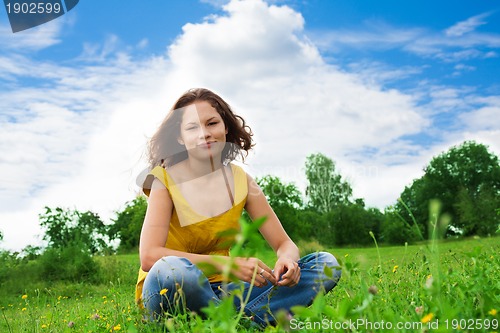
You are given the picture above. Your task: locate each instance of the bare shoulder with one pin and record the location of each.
(254, 189)
(157, 185)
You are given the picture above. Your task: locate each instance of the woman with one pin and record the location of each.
(195, 194)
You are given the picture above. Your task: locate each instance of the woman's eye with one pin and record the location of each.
(213, 123)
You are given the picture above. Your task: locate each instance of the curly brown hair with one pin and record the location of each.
(163, 147)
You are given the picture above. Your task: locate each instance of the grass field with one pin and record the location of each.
(451, 286)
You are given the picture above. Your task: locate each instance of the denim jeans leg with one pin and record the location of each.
(186, 287)
(265, 302)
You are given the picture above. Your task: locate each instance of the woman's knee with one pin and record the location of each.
(330, 261)
(173, 270)
(320, 260)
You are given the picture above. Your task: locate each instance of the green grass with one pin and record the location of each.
(435, 286)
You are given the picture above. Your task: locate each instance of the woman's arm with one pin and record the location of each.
(155, 231)
(286, 269)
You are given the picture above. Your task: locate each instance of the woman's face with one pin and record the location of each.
(202, 131)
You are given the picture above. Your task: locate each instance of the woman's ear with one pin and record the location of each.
(181, 142)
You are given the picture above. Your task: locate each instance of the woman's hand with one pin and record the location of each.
(246, 268)
(288, 270)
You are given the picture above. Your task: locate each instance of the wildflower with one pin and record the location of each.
(373, 290)
(493, 312)
(104, 297)
(163, 291)
(117, 327)
(24, 296)
(427, 318)
(429, 282)
(395, 268)
(23, 309)
(346, 255)
(419, 310)
(95, 316)
(44, 326)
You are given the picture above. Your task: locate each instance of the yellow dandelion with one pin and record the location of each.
(104, 297)
(24, 296)
(117, 327)
(346, 255)
(23, 309)
(493, 312)
(395, 268)
(427, 318)
(44, 326)
(163, 291)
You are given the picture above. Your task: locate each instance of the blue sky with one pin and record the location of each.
(379, 87)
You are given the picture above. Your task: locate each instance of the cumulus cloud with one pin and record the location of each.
(258, 56)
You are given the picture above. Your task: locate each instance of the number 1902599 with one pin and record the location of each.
(33, 8)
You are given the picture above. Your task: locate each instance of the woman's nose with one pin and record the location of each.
(204, 132)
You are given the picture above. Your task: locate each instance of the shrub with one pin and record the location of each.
(72, 263)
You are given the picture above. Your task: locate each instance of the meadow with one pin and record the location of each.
(437, 286)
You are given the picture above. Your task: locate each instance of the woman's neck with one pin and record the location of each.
(203, 167)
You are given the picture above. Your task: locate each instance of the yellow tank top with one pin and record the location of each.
(200, 237)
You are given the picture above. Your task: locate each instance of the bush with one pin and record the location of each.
(72, 263)
(310, 246)
(396, 231)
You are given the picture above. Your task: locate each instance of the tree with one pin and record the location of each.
(64, 227)
(128, 224)
(395, 230)
(352, 223)
(466, 180)
(413, 206)
(286, 200)
(279, 193)
(325, 189)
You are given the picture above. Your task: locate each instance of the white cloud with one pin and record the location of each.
(77, 141)
(33, 39)
(376, 35)
(480, 119)
(458, 43)
(466, 26)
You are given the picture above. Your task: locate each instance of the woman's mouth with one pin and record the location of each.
(206, 145)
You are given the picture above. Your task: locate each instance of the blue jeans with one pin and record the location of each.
(174, 284)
